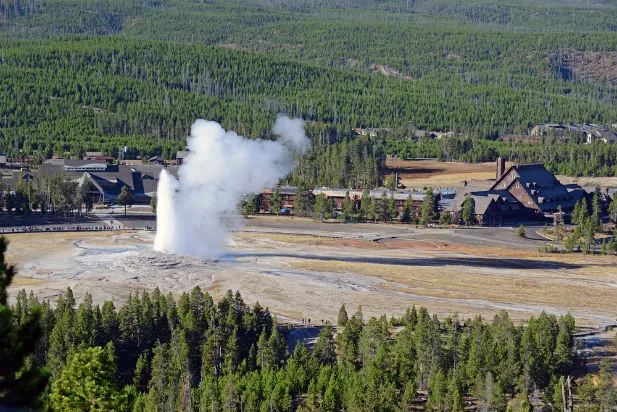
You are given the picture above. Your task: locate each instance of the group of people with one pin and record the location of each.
(28, 229)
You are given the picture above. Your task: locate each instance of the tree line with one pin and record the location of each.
(160, 352)
(572, 158)
(587, 221)
(56, 194)
(48, 194)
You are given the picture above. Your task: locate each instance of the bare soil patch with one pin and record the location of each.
(592, 66)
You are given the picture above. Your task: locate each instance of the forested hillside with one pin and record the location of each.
(101, 74)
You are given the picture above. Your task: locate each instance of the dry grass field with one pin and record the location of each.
(416, 174)
(589, 181)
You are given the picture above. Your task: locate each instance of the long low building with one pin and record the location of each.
(338, 195)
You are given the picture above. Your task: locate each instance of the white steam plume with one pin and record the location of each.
(220, 169)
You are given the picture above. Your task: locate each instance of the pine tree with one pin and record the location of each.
(348, 341)
(21, 380)
(158, 394)
(330, 401)
(110, 327)
(141, 376)
(324, 349)
(406, 217)
(606, 393)
(304, 199)
(62, 338)
(323, 208)
(409, 396)
(437, 389)
(576, 213)
(276, 202)
(468, 211)
(428, 209)
(88, 382)
(232, 353)
(596, 211)
(366, 206)
(583, 212)
(153, 203)
(612, 209)
(212, 355)
(85, 322)
(262, 350)
(342, 316)
(381, 208)
(277, 349)
(348, 211)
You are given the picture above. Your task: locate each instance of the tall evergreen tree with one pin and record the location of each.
(428, 210)
(21, 379)
(342, 316)
(304, 199)
(276, 201)
(468, 211)
(325, 349)
(88, 383)
(348, 209)
(407, 211)
(323, 208)
(612, 209)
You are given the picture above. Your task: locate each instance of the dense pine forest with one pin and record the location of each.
(99, 75)
(161, 353)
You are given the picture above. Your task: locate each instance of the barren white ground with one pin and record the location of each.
(304, 270)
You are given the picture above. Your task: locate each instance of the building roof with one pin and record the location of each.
(542, 186)
(469, 187)
(142, 180)
(482, 199)
(16, 176)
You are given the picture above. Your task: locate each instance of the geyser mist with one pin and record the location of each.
(194, 210)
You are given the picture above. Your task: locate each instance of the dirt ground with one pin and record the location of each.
(416, 174)
(301, 269)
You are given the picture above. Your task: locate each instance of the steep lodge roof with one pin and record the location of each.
(542, 186)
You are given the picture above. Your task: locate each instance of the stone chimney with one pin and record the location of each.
(501, 167)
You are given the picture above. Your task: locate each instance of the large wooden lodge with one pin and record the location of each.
(521, 192)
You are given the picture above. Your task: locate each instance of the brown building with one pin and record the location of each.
(288, 193)
(520, 192)
(355, 195)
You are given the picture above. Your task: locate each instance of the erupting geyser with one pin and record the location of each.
(220, 169)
